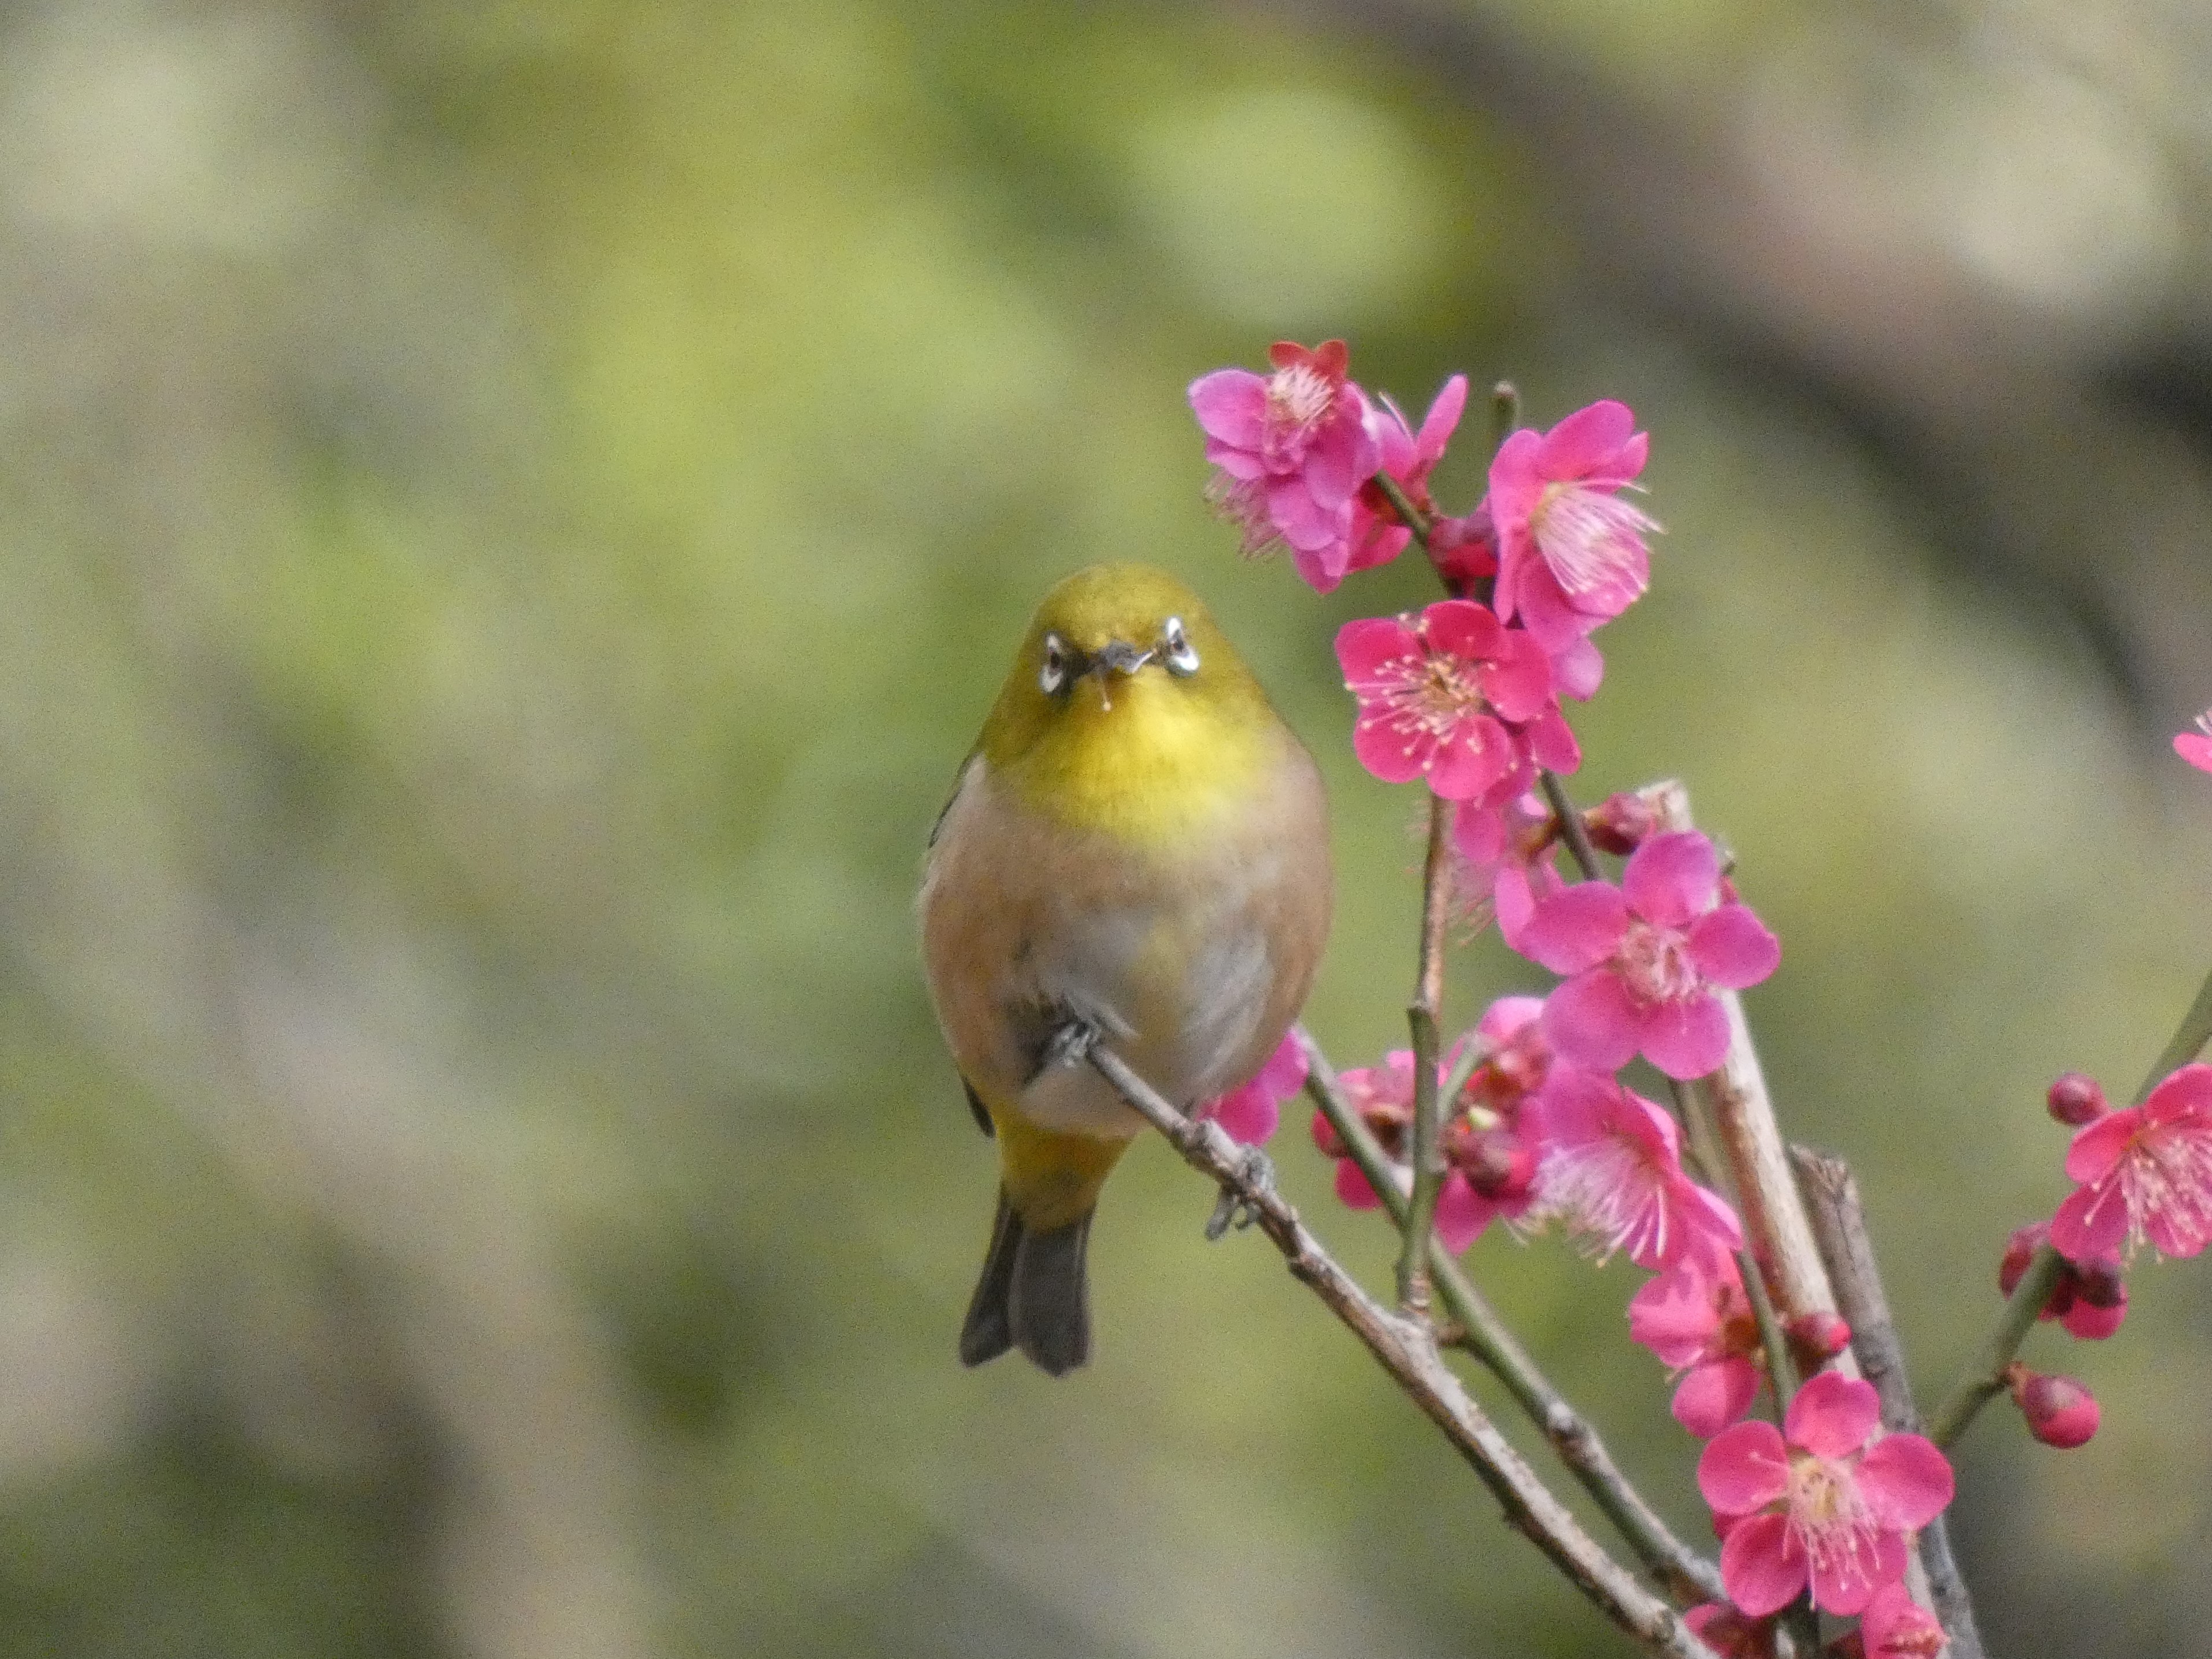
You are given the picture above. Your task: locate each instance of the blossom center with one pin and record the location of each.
(1299, 398)
(2168, 1173)
(1589, 538)
(1655, 964)
(1429, 695)
(1604, 1191)
(1828, 1516)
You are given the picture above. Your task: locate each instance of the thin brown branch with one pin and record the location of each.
(1832, 1194)
(1426, 1009)
(1777, 1230)
(1407, 1349)
(1680, 1570)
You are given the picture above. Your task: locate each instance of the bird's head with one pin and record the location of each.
(1123, 672)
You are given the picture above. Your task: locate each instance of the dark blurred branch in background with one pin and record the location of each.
(2027, 367)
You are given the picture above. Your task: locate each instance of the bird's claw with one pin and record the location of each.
(1071, 1043)
(1234, 1209)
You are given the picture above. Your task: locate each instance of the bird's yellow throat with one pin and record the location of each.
(1157, 763)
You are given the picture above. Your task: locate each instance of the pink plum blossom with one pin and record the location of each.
(2195, 747)
(1250, 1114)
(1895, 1627)
(1821, 1499)
(2090, 1301)
(1292, 448)
(1490, 1163)
(1455, 697)
(1572, 554)
(1505, 856)
(1611, 1172)
(1378, 535)
(1644, 959)
(2145, 1176)
(1697, 1320)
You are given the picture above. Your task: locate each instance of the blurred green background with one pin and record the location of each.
(513, 514)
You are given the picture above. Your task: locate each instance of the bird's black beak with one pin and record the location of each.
(1111, 659)
(1120, 657)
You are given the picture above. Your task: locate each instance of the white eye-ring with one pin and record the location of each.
(1175, 648)
(1053, 674)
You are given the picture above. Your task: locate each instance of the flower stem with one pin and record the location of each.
(1687, 1575)
(1422, 1015)
(2188, 1040)
(1504, 413)
(1409, 515)
(1572, 830)
(1983, 1378)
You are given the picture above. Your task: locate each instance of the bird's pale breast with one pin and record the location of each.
(1191, 955)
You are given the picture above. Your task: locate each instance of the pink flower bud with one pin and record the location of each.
(1816, 1338)
(2076, 1099)
(2059, 1410)
(1326, 1138)
(2099, 1285)
(2019, 1251)
(1618, 824)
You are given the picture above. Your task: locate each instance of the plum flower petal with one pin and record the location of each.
(1489, 1153)
(1376, 534)
(1814, 1503)
(1829, 1421)
(1895, 1627)
(1611, 1172)
(2195, 747)
(1444, 696)
(1671, 879)
(1251, 1113)
(1697, 1320)
(1579, 928)
(1572, 551)
(2145, 1176)
(1506, 858)
(1729, 1633)
(1291, 448)
(1646, 958)
(2090, 1299)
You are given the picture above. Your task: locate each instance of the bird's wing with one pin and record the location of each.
(959, 779)
(975, 1105)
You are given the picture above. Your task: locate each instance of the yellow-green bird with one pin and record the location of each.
(1138, 847)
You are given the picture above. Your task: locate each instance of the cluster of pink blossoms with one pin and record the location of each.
(1466, 696)
(2142, 1176)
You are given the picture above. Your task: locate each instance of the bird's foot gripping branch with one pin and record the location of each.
(1098, 853)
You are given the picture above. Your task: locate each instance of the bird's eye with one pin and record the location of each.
(1054, 675)
(1175, 648)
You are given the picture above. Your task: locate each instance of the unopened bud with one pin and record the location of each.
(1815, 1339)
(2099, 1285)
(2076, 1099)
(2059, 1410)
(1496, 1164)
(1464, 550)
(1620, 823)
(2019, 1251)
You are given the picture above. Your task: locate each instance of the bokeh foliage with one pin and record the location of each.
(513, 514)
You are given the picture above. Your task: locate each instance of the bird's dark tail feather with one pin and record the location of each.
(1032, 1296)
